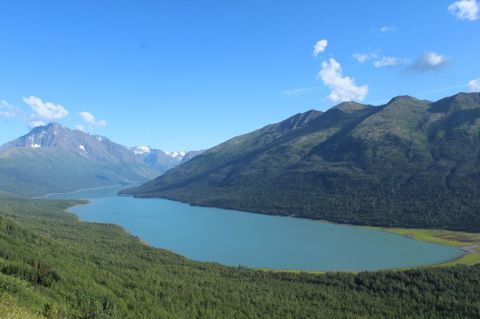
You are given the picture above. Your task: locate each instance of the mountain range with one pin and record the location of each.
(53, 158)
(409, 163)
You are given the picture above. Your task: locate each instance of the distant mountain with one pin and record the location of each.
(190, 155)
(155, 158)
(409, 163)
(162, 160)
(89, 146)
(179, 155)
(53, 158)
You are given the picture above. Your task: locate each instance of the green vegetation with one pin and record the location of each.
(63, 160)
(409, 163)
(9, 309)
(33, 172)
(470, 242)
(56, 266)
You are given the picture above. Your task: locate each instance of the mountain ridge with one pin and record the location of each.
(54, 158)
(403, 163)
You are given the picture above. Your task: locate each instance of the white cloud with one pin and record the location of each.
(297, 92)
(386, 62)
(80, 127)
(429, 62)
(343, 88)
(90, 119)
(34, 123)
(45, 110)
(9, 111)
(465, 9)
(361, 57)
(474, 85)
(388, 28)
(41, 114)
(319, 47)
(364, 57)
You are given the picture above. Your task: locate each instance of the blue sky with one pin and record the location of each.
(183, 75)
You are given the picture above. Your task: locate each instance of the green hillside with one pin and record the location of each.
(48, 170)
(53, 265)
(409, 163)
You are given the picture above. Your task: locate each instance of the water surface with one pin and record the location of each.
(254, 240)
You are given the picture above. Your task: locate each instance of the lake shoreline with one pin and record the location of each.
(266, 269)
(469, 243)
(471, 252)
(180, 252)
(46, 196)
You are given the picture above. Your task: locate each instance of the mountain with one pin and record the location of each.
(162, 160)
(178, 155)
(155, 158)
(53, 158)
(190, 155)
(408, 163)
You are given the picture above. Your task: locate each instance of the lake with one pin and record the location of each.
(254, 240)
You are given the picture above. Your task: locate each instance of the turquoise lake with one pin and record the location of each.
(254, 240)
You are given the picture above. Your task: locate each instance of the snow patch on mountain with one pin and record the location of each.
(176, 154)
(140, 150)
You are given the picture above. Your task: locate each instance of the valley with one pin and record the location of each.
(240, 159)
(137, 251)
(53, 264)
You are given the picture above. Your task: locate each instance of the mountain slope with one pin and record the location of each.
(155, 158)
(54, 264)
(53, 158)
(190, 155)
(408, 163)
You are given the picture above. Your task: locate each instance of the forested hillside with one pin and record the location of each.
(56, 266)
(408, 163)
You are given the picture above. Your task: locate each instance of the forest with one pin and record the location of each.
(54, 266)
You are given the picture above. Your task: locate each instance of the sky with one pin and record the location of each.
(189, 74)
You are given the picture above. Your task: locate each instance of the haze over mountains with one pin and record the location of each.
(53, 158)
(410, 163)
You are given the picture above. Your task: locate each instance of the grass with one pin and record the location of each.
(9, 309)
(436, 236)
(447, 238)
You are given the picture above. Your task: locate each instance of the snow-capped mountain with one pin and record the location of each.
(141, 150)
(189, 155)
(176, 154)
(55, 136)
(54, 158)
(155, 158)
(161, 159)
